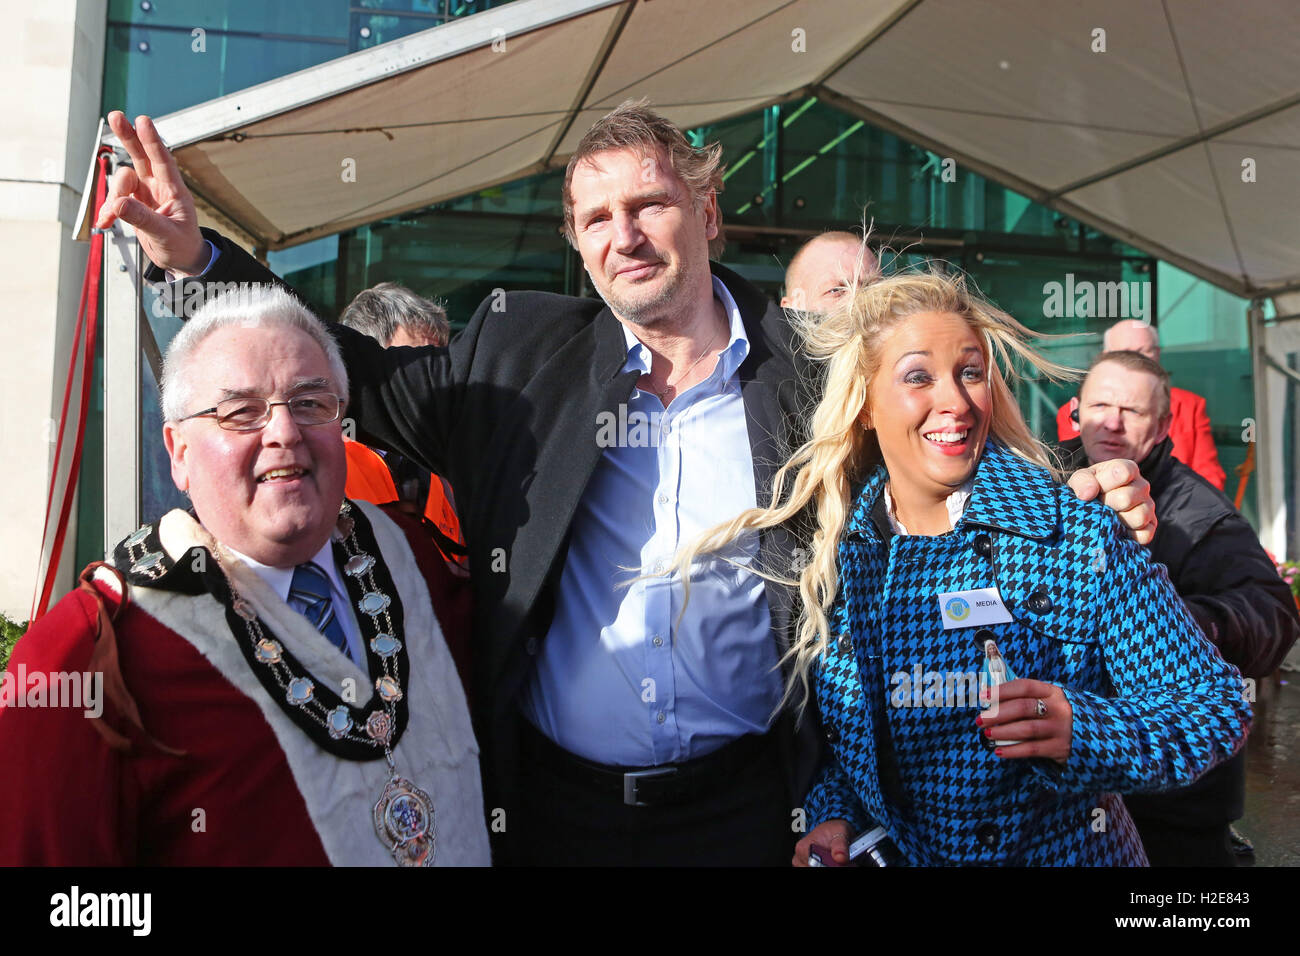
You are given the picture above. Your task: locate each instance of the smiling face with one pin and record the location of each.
(643, 242)
(1120, 414)
(272, 494)
(930, 404)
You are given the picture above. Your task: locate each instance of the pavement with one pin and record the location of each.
(1272, 819)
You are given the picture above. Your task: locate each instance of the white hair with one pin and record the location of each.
(249, 307)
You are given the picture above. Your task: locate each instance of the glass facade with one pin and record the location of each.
(165, 55)
(793, 170)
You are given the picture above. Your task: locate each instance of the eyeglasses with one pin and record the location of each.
(250, 414)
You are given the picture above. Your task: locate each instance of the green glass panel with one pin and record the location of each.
(1204, 338)
(311, 269)
(371, 29)
(538, 195)
(317, 18)
(831, 169)
(168, 75)
(455, 258)
(1072, 300)
(437, 8)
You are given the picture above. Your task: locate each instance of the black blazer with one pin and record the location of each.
(508, 414)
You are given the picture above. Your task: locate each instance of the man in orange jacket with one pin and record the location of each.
(1190, 430)
(395, 316)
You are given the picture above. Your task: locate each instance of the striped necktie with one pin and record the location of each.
(309, 595)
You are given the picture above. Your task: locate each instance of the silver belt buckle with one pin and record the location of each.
(631, 778)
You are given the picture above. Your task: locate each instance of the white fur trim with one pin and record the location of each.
(437, 752)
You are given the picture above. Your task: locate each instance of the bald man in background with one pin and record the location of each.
(824, 268)
(1190, 429)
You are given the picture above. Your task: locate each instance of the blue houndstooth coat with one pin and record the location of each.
(1154, 704)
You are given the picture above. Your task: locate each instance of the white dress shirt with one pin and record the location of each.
(279, 580)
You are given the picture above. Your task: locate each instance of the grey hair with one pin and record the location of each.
(633, 125)
(248, 307)
(383, 309)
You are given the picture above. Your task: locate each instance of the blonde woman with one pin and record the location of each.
(938, 526)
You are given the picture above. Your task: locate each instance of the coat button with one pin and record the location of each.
(832, 735)
(530, 646)
(1038, 600)
(845, 644)
(988, 835)
(983, 545)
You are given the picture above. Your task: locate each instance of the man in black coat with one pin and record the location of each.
(586, 441)
(1216, 564)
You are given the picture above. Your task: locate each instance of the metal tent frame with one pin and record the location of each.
(430, 117)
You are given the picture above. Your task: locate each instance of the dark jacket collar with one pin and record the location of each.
(611, 345)
(1157, 466)
(1010, 494)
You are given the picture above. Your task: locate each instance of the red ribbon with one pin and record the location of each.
(87, 319)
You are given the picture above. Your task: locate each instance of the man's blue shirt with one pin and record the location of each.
(619, 680)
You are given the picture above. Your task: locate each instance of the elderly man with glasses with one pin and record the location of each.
(263, 680)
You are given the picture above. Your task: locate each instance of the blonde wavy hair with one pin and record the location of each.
(812, 488)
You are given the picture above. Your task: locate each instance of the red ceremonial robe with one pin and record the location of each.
(248, 787)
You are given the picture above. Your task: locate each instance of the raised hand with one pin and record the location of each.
(154, 199)
(1122, 489)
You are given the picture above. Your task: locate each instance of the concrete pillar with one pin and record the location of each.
(51, 67)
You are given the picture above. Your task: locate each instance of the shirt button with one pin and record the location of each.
(661, 716)
(658, 641)
(659, 567)
(983, 545)
(663, 499)
(988, 835)
(1039, 600)
(530, 646)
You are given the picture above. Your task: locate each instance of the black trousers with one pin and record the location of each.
(562, 822)
(1176, 846)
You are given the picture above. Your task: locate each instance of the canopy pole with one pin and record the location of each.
(122, 318)
(1269, 423)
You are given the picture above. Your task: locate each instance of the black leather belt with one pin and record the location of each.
(665, 785)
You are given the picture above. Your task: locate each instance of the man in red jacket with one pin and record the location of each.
(1190, 428)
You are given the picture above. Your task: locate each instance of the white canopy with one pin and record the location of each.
(1172, 126)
